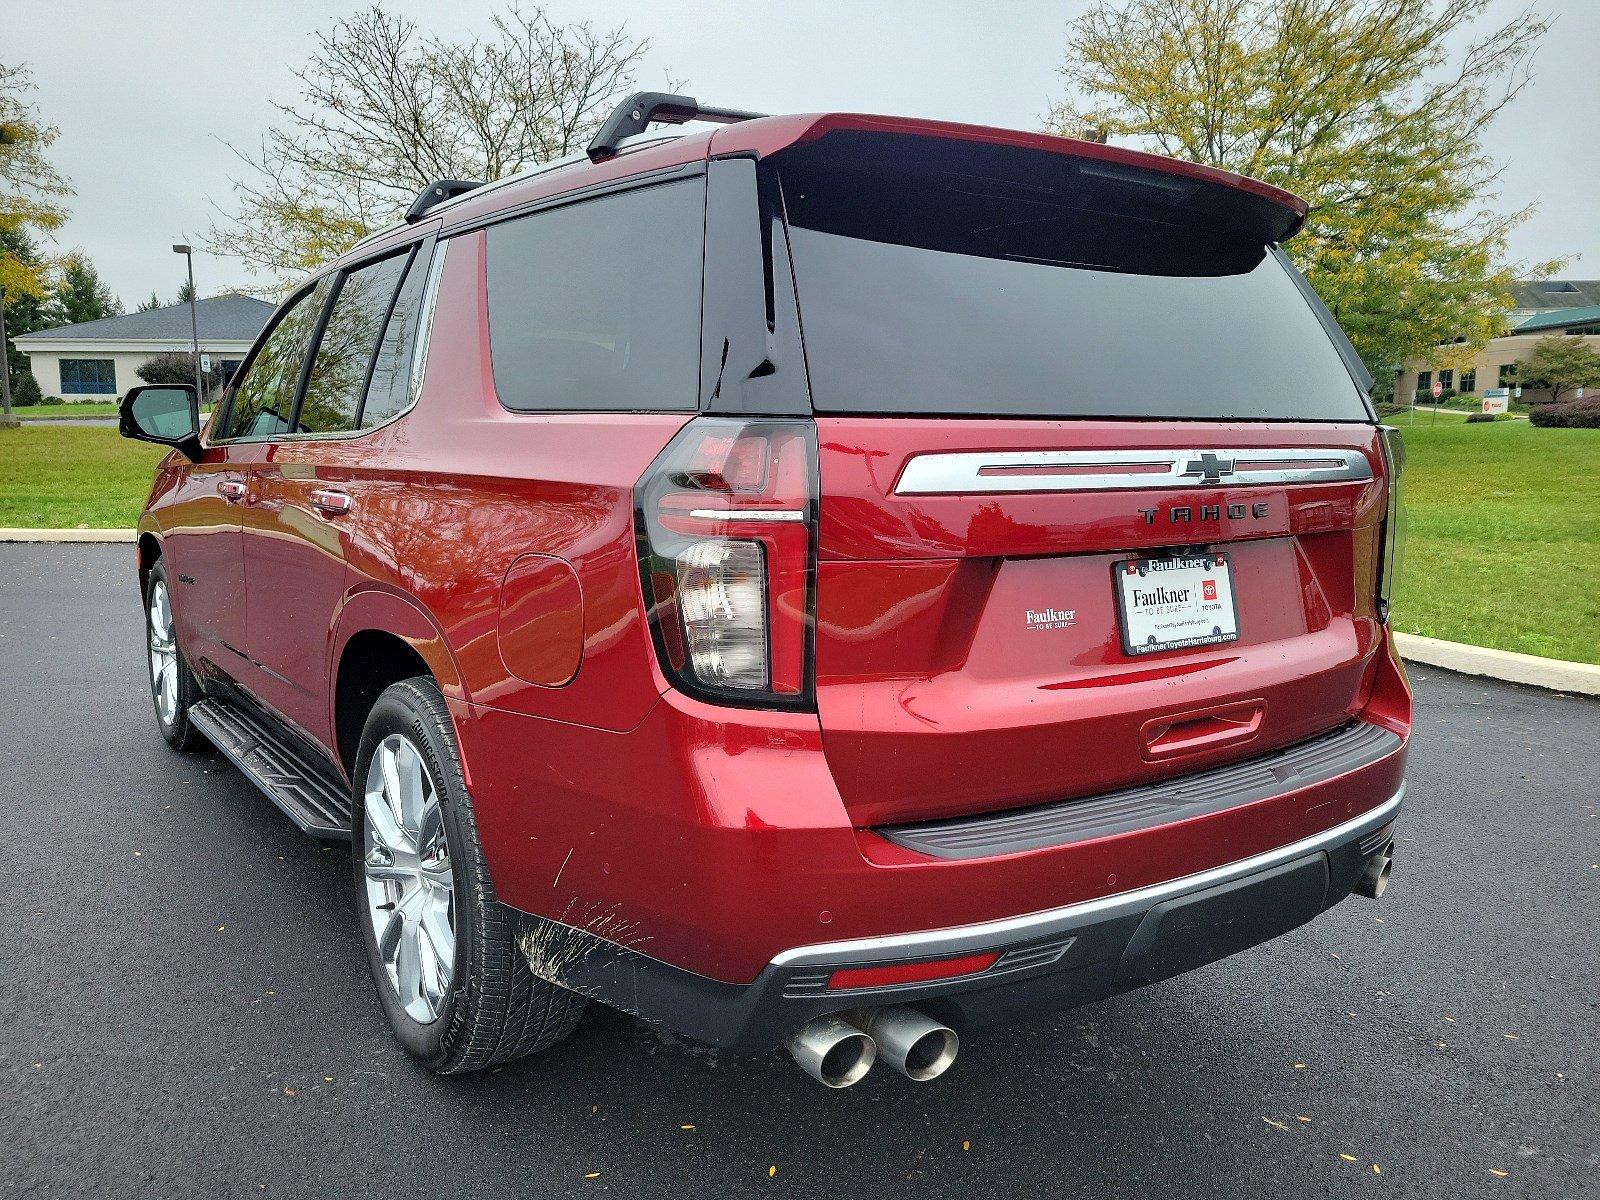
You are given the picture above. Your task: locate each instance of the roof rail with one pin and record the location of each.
(435, 194)
(642, 108)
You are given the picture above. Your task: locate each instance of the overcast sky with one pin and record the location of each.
(147, 94)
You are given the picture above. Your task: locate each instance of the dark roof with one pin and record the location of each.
(1540, 294)
(230, 318)
(1559, 318)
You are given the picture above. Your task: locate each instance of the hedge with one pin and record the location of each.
(1567, 414)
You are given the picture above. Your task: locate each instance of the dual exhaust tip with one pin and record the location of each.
(839, 1049)
(1375, 875)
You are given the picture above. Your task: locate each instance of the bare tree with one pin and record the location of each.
(385, 110)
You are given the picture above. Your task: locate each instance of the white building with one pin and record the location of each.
(98, 360)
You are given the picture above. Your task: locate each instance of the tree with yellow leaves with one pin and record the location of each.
(1372, 110)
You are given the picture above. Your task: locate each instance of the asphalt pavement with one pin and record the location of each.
(185, 1009)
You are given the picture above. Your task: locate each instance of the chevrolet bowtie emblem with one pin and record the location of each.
(1210, 467)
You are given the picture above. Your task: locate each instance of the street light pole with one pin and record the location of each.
(194, 323)
(6, 419)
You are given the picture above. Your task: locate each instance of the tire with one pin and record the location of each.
(491, 1008)
(173, 687)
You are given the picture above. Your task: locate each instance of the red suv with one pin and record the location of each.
(825, 580)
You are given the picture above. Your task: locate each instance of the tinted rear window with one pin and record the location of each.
(954, 278)
(596, 305)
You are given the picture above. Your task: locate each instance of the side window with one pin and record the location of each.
(596, 305)
(397, 370)
(338, 375)
(264, 400)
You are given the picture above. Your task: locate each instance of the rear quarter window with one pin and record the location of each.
(595, 305)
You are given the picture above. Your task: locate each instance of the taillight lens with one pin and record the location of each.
(1392, 555)
(726, 523)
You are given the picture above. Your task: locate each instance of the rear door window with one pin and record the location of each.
(338, 378)
(263, 402)
(953, 278)
(595, 306)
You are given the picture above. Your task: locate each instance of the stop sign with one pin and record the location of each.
(1438, 389)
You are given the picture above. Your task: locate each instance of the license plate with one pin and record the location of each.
(1175, 602)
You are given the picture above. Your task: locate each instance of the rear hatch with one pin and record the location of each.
(1101, 499)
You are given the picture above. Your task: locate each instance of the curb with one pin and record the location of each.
(1552, 674)
(68, 535)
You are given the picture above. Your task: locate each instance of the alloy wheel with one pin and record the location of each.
(163, 654)
(410, 885)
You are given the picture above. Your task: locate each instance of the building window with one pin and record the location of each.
(1469, 382)
(1447, 379)
(1583, 330)
(1508, 375)
(1424, 382)
(88, 377)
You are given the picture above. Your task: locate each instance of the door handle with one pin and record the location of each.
(231, 490)
(331, 502)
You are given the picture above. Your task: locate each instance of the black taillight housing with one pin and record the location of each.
(1392, 549)
(726, 521)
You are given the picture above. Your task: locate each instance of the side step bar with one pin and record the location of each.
(311, 796)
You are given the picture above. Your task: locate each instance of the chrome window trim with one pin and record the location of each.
(965, 939)
(1124, 470)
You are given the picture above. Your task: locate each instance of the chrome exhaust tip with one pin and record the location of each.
(832, 1051)
(911, 1042)
(1375, 877)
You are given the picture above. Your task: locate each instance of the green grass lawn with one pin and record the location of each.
(85, 409)
(1503, 547)
(62, 476)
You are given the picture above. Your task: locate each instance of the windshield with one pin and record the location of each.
(937, 276)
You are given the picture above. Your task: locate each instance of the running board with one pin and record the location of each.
(309, 794)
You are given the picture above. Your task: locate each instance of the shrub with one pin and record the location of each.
(1479, 418)
(25, 391)
(1387, 408)
(1568, 414)
(176, 367)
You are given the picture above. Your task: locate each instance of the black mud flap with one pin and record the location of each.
(1179, 935)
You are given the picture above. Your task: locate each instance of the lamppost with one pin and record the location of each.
(7, 421)
(194, 323)
(8, 137)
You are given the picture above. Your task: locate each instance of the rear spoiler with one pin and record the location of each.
(1266, 211)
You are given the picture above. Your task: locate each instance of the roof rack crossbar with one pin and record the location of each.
(645, 108)
(435, 194)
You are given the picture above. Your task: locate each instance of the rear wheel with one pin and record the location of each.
(454, 985)
(172, 685)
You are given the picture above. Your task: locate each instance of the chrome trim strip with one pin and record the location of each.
(1124, 470)
(965, 939)
(749, 514)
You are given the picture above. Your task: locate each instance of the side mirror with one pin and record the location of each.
(167, 414)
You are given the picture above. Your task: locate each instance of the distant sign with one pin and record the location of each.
(1437, 389)
(205, 363)
(1495, 404)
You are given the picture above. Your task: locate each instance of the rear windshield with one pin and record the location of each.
(937, 276)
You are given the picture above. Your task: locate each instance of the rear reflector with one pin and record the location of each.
(919, 972)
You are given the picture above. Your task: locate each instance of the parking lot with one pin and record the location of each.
(185, 1009)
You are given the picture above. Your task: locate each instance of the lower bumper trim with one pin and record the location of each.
(963, 939)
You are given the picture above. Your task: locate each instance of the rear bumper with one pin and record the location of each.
(1056, 958)
(714, 842)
